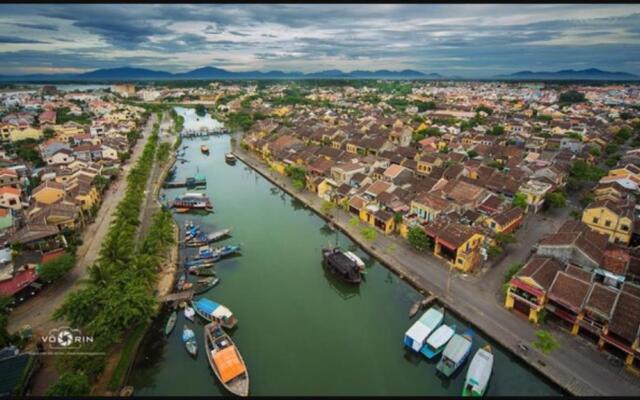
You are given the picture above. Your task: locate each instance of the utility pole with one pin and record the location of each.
(449, 280)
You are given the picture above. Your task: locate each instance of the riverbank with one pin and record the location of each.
(574, 369)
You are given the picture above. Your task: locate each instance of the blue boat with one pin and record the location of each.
(214, 312)
(456, 353)
(227, 250)
(200, 263)
(438, 340)
(416, 336)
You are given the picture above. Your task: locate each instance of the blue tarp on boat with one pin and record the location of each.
(206, 306)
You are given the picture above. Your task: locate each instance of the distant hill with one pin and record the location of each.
(570, 74)
(129, 73)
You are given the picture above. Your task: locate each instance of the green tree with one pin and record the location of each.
(520, 200)
(369, 233)
(70, 384)
(595, 151)
(545, 342)
(587, 199)
(418, 238)
(327, 207)
(354, 221)
(497, 130)
(472, 154)
(201, 111)
(505, 238)
(57, 268)
(611, 148)
(483, 108)
(557, 199)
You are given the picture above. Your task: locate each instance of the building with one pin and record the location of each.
(124, 89)
(615, 219)
(535, 192)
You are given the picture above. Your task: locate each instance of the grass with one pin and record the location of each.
(127, 357)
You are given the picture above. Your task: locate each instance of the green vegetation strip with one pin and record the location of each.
(126, 358)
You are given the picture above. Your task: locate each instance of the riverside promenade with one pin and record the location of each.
(575, 366)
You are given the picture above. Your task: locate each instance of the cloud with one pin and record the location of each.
(480, 39)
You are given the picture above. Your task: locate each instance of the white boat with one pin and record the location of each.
(189, 313)
(355, 258)
(214, 312)
(479, 373)
(455, 353)
(416, 336)
(438, 340)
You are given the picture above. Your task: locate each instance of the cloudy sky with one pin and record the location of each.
(465, 40)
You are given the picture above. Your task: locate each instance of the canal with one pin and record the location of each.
(300, 331)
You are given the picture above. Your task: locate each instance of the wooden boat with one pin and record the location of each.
(225, 360)
(189, 340)
(201, 238)
(479, 373)
(438, 340)
(230, 158)
(456, 353)
(214, 312)
(416, 336)
(126, 391)
(201, 272)
(189, 313)
(192, 201)
(171, 323)
(204, 149)
(203, 285)
(341, 265)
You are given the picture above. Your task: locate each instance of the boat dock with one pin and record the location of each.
(178, 296)
(421, 304)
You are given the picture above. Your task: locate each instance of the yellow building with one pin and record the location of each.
(459, 245)
(281, 112)
(49, 192)
(16, 134)
(535, 192)
(612, 218)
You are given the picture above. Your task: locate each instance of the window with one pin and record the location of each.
(460, 261)
(607, 223)
(624, 228)
(595, 220)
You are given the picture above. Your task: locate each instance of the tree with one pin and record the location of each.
(48, 133)
(327, 207)
(200, 110)
(418, 238)
(595, 151)
(587, 199)
(611, 148)
(57, 268)
(497, 130)
(432, 131)
(545, 342)
(505, 238)
(485, 109)
(354, 221)
(70, 384)
(472, 154)
(557, 199)
(369, 233)
(520, 200)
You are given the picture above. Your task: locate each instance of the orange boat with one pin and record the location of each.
(225, 360)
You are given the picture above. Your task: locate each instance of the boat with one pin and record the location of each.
(226, 361)
(341, 265)
(203, 285)
(437, 340)
(456, 353)
(201, 271)
(189, 313)
(192, 200)
(189, 340)
(181, 281)
(416, 336)
(202, 238)
(355, 259)
(201, 263)
(204, 149)
(214, 312)
(227, 250)
(171, 323)
(230, 158)
(479, 373)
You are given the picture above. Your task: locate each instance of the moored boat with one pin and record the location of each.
(339, 264)
(479, 373)
(189, 313)
(201, 271)
(214, 312)
(455, 353)
(416, 336)
(438, 340)
(192, 200)
(189, 340)
(204, 149)
(202, 238)
(230, 158)
(203, 285)
(225, 360)
(171, 323)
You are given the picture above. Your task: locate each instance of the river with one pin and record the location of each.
(300, 331)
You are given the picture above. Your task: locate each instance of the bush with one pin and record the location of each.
(520, 200)
(369, 233)
(70, 384)
(354, 221)
(418, 239)
(56, 269)
(557, 199)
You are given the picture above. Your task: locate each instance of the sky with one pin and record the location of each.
(473, 40)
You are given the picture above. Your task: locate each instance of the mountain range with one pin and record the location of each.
(137, 74)
(129, 73)
(570, 74)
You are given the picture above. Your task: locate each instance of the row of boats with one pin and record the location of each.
(430, 337)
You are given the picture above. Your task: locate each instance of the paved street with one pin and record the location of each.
(575, 365)
(38, 310)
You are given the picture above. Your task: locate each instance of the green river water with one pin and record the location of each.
(300, 331)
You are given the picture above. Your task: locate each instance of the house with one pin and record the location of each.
(528, 288)
(505, 222)
(535, 191)
(16, 133)
(598, 311)
(49, 192)
(429, 207)
(47, 117)
(57, 214)
(567, 295)
(62, 156)
(9, 177)
(575, 243)
(342, 173)
(459, 245)
(615, 219)
(623, 330)
(10, 198)
(39, 237)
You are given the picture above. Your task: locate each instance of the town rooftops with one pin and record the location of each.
(32, 232)
(625, 321)
(569, 291)
(542, 270)
(602, 300)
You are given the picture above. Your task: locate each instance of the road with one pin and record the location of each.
(576, 365)
(38, 310)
